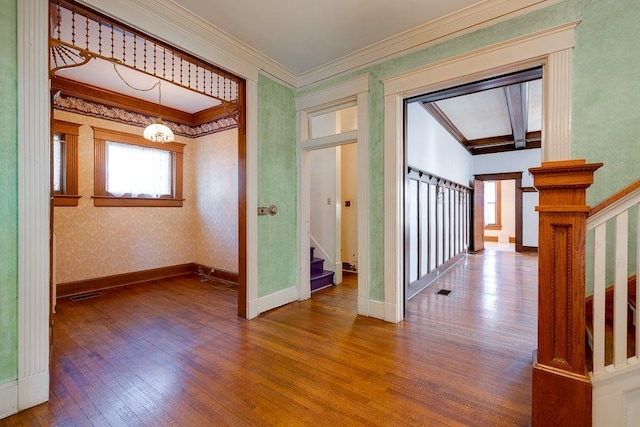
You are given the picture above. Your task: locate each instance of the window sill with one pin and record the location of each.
(112, 201)
(493, 227)
(65, 200)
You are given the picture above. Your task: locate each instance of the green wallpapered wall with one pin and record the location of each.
(8, 194)
(277, 242)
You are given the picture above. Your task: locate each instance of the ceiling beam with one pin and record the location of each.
(444, 121)
(517, 96)
(503, 148)
(502, 140)
(489, 83)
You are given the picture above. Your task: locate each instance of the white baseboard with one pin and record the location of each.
(391, 313)
(8, 399)
(376, 309)
(252, 309)
(33, 390)
(277, 299)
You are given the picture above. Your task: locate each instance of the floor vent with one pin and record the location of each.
(443, 292)
(85, 296)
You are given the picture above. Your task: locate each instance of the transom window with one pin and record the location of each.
(131, 171)
(334, 122)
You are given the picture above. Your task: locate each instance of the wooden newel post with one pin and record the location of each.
(561, 385)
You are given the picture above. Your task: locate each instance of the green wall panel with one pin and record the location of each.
(8, 194)
(277, 176)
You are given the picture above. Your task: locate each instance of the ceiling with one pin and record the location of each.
(498, 119)
(303, 35)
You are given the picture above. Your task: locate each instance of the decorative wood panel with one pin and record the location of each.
(561, 386)
(434, 224)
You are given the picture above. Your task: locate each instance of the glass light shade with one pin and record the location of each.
(158, 132)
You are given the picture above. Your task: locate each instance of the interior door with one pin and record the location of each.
(477, 242)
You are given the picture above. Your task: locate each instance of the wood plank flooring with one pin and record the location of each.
(173, 353)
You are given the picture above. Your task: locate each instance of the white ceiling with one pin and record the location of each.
(303, 35)
(485, 114)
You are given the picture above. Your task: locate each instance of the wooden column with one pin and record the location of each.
(561, 385)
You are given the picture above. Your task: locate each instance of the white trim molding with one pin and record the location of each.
(351, 92)
(251, 196)
(8, 399)
(277, 299)
(33, 203)
(549, 48)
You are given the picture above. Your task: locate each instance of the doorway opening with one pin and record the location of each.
(335, 118)
(334, 221)
(466, 141)
(98, 79)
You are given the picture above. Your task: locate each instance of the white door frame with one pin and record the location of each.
(352, 92)
(551, 49)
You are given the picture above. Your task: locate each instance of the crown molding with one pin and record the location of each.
(462, 22)
(171, 23)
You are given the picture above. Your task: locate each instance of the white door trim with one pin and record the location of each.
(350, 92)
(549, 48)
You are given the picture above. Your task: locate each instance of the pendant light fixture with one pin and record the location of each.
(158, 131)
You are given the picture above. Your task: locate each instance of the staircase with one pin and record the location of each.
(320, 278)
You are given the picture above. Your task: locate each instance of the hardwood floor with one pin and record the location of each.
(173, 352)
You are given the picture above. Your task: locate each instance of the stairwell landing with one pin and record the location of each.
(320, 278)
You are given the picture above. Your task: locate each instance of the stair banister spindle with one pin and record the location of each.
(620, 294)
(599, 298)
(637, 310)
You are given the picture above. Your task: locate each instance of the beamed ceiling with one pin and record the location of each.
(491, 116)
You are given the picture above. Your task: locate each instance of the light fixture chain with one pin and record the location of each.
(133, 87)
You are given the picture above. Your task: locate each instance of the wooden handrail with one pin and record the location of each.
(614, 198)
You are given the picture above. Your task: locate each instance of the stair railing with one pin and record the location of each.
(615, 302)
